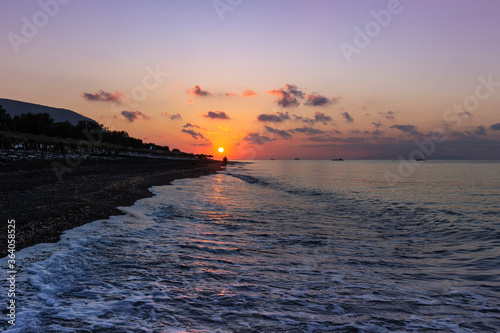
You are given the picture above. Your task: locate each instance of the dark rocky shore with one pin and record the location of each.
(43, 207)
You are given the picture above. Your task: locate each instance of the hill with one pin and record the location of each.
(15, 108)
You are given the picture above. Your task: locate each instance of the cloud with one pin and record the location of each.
(194, 135)
(347, 117)
(197, 91)
(288, 96)
(319, 138)
(495, 127)
(480, 130)
(459, 135)
(249, 93)
(134, 115)
(191, 125)
(357, 131)
(203, 144)
(377, 132)
(257, 139)
(388, 114)
(320, 117)
(104, 96)
(231, 95)
(316, 99)
(390, 148)
(176, 116)
(284, 134)
(292, 89)
(302, 119)
(328, 138)
(216, 115)
(278, 117)
(411, 129)
(469, 136)
(309, 130)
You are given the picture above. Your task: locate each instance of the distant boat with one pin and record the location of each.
(420, 159)
(296, 158)
(337, 159)
(272, 159)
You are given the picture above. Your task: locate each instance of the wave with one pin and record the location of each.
(246, 178)
(397, 218)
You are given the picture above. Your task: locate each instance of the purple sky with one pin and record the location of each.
(323, 78)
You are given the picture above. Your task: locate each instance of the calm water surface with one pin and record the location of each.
(282, 246)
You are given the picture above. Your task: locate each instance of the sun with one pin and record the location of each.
(221, 150)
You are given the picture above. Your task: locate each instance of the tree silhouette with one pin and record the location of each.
(42, 123)
(32, 123)
(89, 126)
(62, 130)
(5, 119)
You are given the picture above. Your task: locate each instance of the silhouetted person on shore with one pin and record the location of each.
(224, 161)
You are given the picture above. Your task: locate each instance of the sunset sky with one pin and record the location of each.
(266, 79)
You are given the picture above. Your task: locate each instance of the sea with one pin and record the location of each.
(280, 246)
